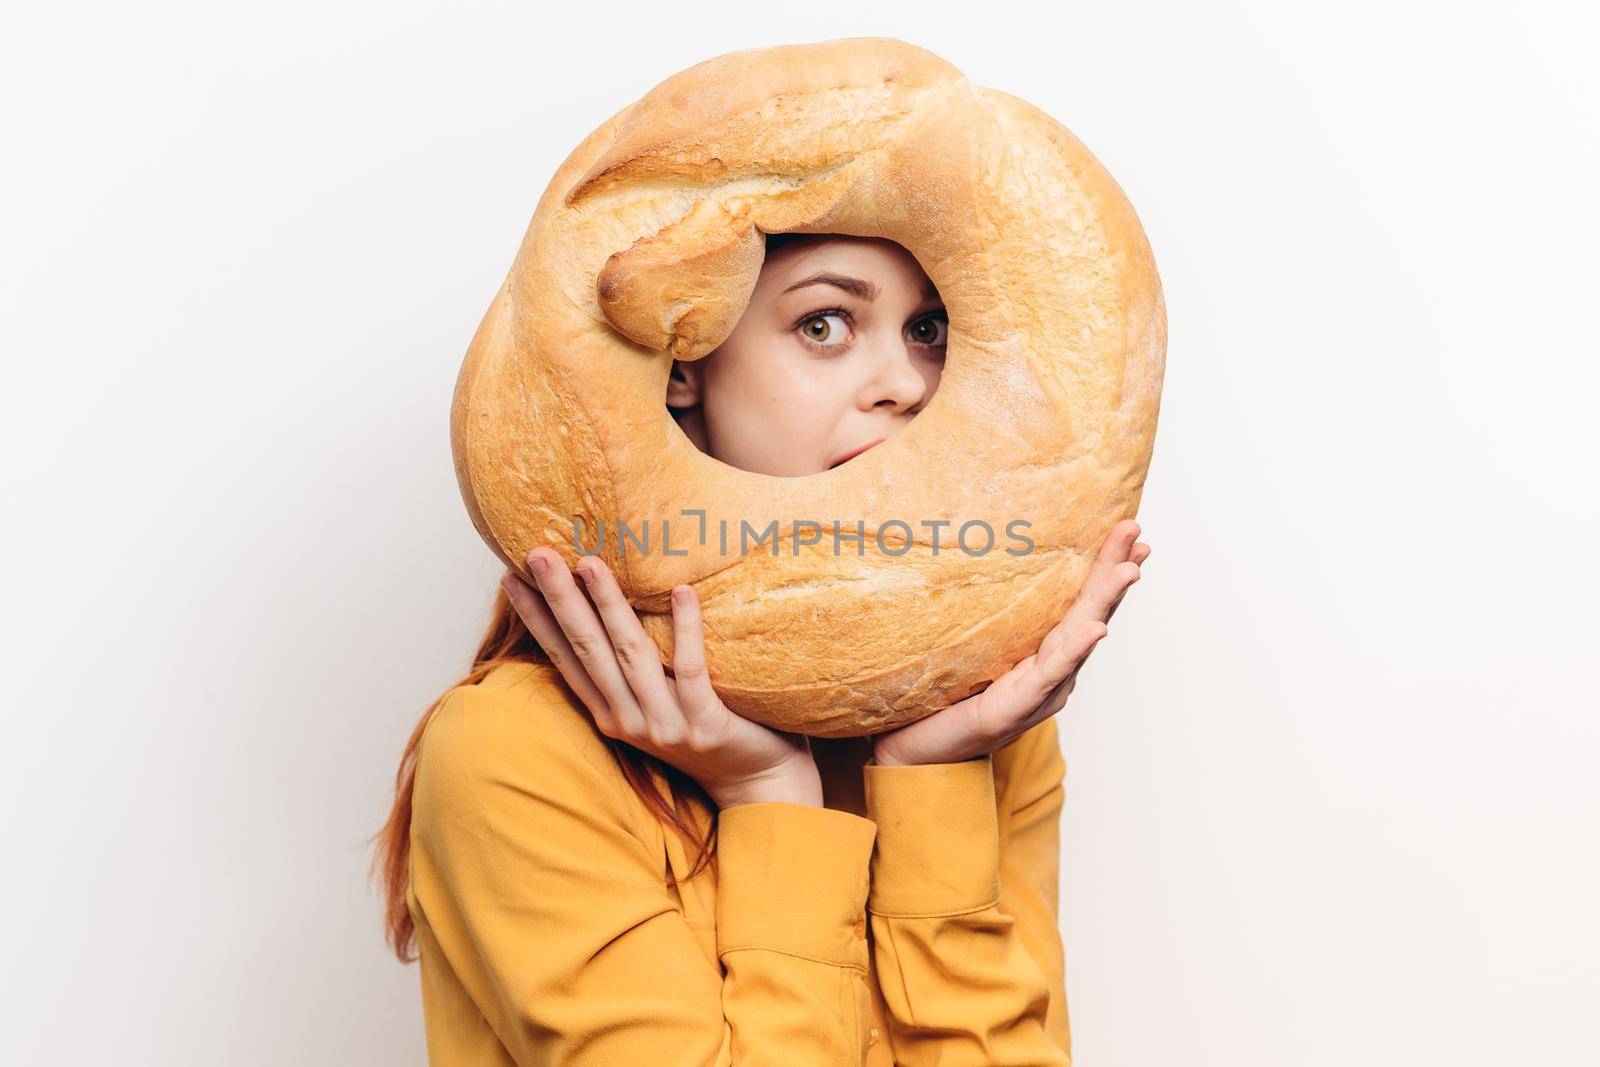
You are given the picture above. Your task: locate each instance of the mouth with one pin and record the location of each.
(857, 452)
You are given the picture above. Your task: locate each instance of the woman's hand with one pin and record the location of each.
(615, 669)
(1034, 689)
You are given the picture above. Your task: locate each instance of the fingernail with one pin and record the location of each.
(539, 565)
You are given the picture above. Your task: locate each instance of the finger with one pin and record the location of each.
(1102, 585)
(695, 693)
(1118, 544)
(1096, 602)
(1138, 558)
(1055, 675)
(1130, 577)
(636, 654)
(1052, 669)
(1013, 703)
(541, 623)
(587, 636)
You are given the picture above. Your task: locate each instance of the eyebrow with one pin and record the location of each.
(856, 287)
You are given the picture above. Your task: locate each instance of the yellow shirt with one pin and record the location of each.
(911, 921)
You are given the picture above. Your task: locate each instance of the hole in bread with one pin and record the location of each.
(841, 346)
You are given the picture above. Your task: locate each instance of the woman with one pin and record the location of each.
(881, 900)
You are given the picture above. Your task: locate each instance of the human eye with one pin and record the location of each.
(932, 330)
(825, 328)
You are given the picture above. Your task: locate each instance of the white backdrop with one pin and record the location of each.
(1331, 780)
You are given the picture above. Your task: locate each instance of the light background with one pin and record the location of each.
(1331, 785)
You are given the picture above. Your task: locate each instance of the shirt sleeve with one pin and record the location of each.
(964, 917)
(553, 913)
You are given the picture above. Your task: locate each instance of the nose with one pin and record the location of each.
(894, 380)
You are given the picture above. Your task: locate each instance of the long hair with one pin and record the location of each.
(508, 641)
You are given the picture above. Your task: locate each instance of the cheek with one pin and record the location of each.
(767, 410)
(819, 394)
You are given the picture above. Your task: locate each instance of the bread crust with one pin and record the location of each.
(645, 248)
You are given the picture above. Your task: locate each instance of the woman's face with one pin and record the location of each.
(842, 344)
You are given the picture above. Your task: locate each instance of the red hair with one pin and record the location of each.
(508, 641)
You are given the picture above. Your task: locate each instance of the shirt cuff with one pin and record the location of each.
(938, 838)
(794, 878)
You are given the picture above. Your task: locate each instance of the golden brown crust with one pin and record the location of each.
(646, 247)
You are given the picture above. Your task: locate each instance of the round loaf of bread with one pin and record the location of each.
(862, 598)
